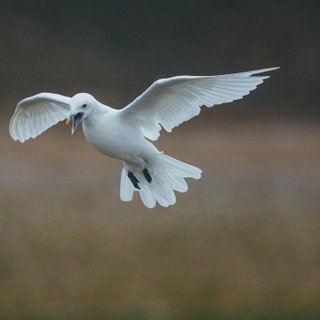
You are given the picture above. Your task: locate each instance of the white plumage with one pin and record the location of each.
(125, 134)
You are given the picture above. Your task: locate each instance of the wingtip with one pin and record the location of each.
(266, 70)
(15, 137)
(20, 140)
(253, 72)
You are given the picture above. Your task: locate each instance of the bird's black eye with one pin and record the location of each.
(84, 105)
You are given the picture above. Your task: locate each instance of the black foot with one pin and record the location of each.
(134, 180)
(147, 175)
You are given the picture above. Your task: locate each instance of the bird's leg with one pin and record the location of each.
(147, 175)
(134, 180)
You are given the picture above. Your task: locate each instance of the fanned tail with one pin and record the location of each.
(158, 181)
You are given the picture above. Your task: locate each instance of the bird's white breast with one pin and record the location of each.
(110, 136)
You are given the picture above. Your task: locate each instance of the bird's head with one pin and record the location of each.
(81, 105)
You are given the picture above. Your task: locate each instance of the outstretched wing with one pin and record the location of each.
(169, 102)
(36, 114)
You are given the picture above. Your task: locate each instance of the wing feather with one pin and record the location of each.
(36, 114)
(169, 102)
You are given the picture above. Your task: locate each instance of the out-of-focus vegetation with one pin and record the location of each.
(243, 243)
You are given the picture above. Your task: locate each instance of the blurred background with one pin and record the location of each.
(243, 243)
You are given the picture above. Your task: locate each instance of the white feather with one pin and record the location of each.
(36, 114)
(169, 102)
(168, 175)
(126, 187)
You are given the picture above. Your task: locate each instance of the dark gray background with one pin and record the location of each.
(115, 49)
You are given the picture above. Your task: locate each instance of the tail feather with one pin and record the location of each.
(163, 191)
(168, 175)
(126, 189)
(178, 183)
(147, 196)
(181, 169)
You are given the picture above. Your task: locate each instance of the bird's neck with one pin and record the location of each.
(98, 113)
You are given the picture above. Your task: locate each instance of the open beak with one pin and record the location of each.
(75, 119)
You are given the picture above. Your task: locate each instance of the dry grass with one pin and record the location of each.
(242, 243)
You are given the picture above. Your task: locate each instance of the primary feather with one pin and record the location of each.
(36, 114)
(169, 102)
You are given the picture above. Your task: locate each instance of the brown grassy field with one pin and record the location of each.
(243, 243)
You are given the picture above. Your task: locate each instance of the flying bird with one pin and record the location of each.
(126, 134)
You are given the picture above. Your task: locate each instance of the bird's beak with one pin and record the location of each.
(75, 119)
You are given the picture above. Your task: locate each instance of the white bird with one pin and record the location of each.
(125, 134)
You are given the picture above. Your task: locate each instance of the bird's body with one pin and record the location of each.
(145, 168)
(126, 134)
(106, 133)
